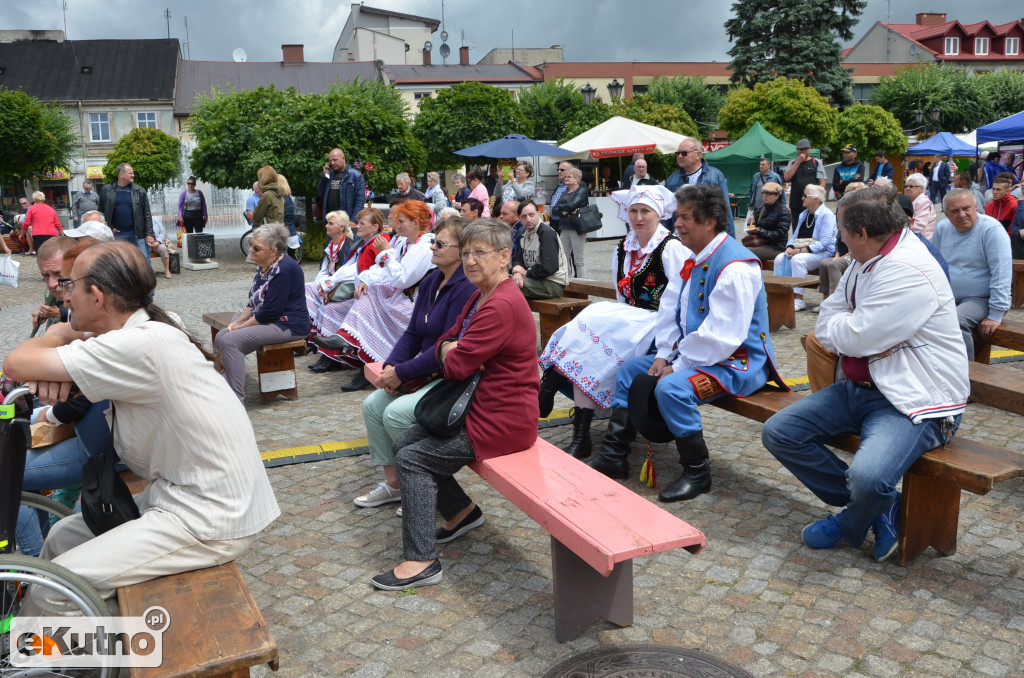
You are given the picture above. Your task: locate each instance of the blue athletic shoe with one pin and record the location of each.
(886, 529)
(824, 533)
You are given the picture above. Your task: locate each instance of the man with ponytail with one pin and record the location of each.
(174, 421)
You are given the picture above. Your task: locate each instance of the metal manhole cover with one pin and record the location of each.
(645, 661)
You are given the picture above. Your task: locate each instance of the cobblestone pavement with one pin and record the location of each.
(755, 596)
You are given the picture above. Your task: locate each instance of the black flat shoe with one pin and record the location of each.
(358, 383)
(325, 364)
(429, 576)
(474, 520)
(311, 348)
(334, 342)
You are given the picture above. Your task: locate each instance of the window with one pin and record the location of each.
(1012, 46)
(421, 95)
(145, 120)
(981, 46)
(952, 46)
(99, 127)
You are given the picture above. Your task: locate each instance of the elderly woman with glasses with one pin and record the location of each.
(192, 210)
(522, 187)
(495, 334)
(275, 311)
(412, 368)
(385, 292)
(568, 211)
(915, 187)
(766, 236)
(435, 196)
(813, 240)
(588, 351)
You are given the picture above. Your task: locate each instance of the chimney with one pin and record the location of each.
(426, 57)
(293, 54)
(464, 56)
(931, 18)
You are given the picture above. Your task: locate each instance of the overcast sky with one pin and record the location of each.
(588, 30)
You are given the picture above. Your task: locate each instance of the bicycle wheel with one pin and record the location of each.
(243, 244)
(17, 573)
(41, 503)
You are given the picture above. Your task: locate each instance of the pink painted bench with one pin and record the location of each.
(597, 527)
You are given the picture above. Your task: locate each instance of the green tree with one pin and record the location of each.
(701, 101)
(35, 137)
(586, 118)
(870, 128)
(1002, 92)
(796, 39)
(154, 155)
(550, 106)
(789, 109)
(958, 93)
(466, 114)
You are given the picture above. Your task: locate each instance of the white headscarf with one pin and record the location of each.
(658, 198)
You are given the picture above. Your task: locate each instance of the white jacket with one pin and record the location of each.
(902, 302)
(402, 265)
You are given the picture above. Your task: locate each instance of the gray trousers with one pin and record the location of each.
(970, 311)
(572, 244)
(426, 473)
(232, 347)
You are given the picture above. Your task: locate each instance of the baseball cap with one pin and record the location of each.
(849, 148)
(803, 143)
(91, 229)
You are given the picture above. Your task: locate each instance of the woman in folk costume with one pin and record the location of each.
(589, 350)
(385, 291)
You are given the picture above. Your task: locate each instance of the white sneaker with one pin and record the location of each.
(816, 309)
(382, 494)
(799, 305)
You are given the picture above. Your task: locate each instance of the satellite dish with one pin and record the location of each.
(239, 55)
(445, 51)
(427, 46)
(444, 36)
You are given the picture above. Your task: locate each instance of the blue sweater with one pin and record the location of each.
(979, 262)
(285, 302)
(414, 355)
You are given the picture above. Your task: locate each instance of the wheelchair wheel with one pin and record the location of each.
(41, 503)
(20, 573)
(33, 526)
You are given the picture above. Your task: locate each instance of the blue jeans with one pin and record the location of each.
(129, 236)
(889, 445)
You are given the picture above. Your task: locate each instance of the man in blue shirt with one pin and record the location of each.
(125, 206)
(341, 187)
(694, 170)
(252, 202)
(883, 168)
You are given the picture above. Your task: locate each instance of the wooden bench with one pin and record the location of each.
(215, 627)
(1009, 334)
(275, 363)
(554, 313)
(12, 244)
(1017, 284)
(931, 488)
(997, 387)
(597, 527)
(779, 292)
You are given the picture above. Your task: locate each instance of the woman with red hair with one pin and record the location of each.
(384, 293)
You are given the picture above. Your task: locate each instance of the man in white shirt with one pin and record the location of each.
(894, 322)
(712, 339)
(174, 423)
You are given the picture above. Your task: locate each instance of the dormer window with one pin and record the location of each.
(980, 46)
(1012, 46)
(952, 46)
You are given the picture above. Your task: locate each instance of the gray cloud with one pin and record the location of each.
(588, 30)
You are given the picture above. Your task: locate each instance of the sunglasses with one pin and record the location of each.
(771, 192)
(686, 153)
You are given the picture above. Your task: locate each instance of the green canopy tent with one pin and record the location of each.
(740, 160)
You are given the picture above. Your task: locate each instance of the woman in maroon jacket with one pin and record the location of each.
(496, 333)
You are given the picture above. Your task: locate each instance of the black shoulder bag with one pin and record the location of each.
(106, 500)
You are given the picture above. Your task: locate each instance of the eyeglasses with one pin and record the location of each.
(256, 248)
(771, 193)
(475, 254)
(686, 153)
(67, 284)
(438, 245)
(560, 169)
(191, 183)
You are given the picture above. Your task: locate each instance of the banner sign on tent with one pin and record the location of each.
(598, 153)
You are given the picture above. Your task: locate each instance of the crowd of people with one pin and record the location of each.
(441, 295)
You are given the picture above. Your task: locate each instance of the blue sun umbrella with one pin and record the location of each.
(512, 146)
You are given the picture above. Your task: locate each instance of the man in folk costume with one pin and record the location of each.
(718, 343)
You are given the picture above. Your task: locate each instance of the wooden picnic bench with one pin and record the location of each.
(215, 627)
(1009, 334)
(931, 488)
(554, 313)
(597, 527)
(275, 363)
(1017, 284)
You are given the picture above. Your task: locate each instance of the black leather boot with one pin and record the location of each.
(696, 478)
(613, 461)
(550, 382)
(581, 447)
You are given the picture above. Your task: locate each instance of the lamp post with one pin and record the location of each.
(588, 93)
(615, 89)
(935, 113)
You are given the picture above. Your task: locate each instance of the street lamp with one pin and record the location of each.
(615, 89)
(936, 112)
(588, 93)
(918, 116)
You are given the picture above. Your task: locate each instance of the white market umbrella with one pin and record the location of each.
(620, 136)
(972, 139)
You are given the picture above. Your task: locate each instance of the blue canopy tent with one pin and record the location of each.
(1010, 128)
(944, 143)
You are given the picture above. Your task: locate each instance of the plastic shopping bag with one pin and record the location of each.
(784, 268)
(9, 271)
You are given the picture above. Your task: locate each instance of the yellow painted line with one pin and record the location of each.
(346, 445)
(1005, 354)
(291, 452)
(797, 381)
